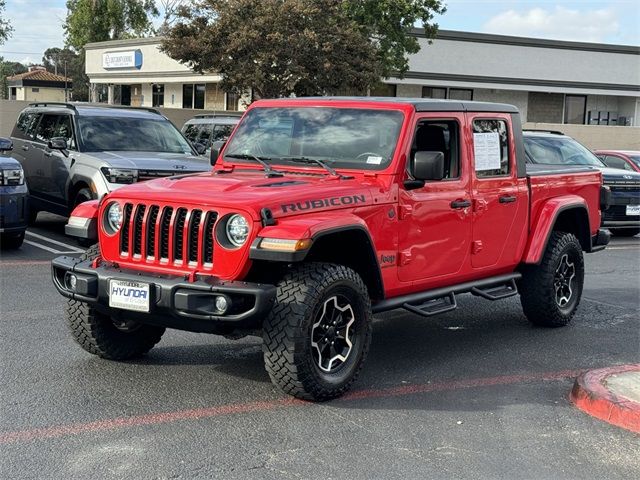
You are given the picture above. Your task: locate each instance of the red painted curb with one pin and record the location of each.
(590, 395)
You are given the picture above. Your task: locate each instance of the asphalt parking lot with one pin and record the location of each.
(476, 393)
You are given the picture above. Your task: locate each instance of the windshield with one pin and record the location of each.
(99, 134)
(558, 151)
(341, 137)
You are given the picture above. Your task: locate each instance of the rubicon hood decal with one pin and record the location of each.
(323, 203)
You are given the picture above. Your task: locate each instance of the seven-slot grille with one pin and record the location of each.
(151, 233)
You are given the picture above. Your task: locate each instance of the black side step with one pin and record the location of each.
(497, 292)
(495, 287)
(433, 307)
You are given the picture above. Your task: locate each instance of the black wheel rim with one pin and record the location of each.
(332, 334)
(563, 282)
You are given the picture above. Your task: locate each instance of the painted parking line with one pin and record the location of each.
(70, 248)
(24, 263)
(48, 249)
(240, 408)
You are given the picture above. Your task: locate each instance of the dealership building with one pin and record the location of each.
(550, 81)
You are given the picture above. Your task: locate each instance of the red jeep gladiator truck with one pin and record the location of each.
(319, 213)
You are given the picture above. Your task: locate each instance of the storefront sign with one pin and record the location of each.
(122, 59)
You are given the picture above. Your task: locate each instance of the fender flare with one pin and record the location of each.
(545, 222)
(83, 222)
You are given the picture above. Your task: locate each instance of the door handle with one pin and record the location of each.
(507, 199)
(460, 204)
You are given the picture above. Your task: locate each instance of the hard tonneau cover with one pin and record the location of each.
(534, 170)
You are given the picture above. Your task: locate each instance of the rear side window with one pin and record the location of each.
(191, 132)
(616, 162)
(25, 125)
(491, 147)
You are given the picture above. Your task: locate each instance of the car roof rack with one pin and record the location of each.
(56, 104)
(218, 114)
(542, 130)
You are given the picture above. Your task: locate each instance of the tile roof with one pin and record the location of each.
(41, 75)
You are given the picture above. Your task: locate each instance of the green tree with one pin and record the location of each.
(389, 23)
(100, 20)
(65, 61)
(8, 69)
(276, 47)
(5, 26)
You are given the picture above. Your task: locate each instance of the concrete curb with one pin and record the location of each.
(591, 394)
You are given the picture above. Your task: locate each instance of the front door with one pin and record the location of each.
(435, 220)
(500, 201)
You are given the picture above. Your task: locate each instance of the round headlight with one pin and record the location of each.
(237, 230)
(114, 217)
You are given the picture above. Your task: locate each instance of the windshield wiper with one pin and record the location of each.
(308, 160)
(267, 168)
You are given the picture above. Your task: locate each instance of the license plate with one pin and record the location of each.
(129, 295)
(633, 209)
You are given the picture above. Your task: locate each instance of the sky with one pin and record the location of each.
(38, 23)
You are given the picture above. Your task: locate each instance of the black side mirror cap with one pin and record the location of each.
(200, 148)
(428, 166)
(216, 147)
(58, 143)
(6, 145)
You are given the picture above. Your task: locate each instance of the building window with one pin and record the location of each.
(232, 101)
(384, 90)
(193, 96)
(35, 89)
(157, 95)
(575, 108)
(434, 92)
(461, 94)
(198, 96)
(187, 96)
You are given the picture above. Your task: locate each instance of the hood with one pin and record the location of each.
(616, 175)
(284, 196)
(177, 162)
(8, 162)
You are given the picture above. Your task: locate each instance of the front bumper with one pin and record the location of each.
(600, 240)
(615, 216)
(14, 209)
(174, 302)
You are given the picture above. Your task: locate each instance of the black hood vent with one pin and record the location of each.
(286, 183)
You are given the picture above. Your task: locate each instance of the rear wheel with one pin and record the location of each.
(550, 292)
(100, 335)
(317, 335)
(624, 232)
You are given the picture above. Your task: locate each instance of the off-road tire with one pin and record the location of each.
(287, 331)
(11, 241)
(96, 333)
(624, 232)
(537, 292)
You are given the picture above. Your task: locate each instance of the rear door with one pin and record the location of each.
(500, 199)
(22, 137)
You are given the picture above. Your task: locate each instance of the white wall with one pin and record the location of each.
(512, 97)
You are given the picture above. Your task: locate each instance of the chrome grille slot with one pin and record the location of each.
(178, 234)
(194, 227)
(124, 235)
(154, 210)
(165, 223)
(207, 238)
(137, 229)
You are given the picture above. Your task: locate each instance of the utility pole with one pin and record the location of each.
(66, 98)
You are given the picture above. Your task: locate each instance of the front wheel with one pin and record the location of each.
(101, 335)
(550, 292)
(11, 240)
(317, 336)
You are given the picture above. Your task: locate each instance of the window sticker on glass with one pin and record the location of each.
(374, 160)
(486, 149)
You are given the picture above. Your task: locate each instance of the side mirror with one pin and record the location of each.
(200, 148)
(215, 151)
(58, 143)
(428, 166)
(6, 145)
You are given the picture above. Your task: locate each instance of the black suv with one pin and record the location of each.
(548, 149)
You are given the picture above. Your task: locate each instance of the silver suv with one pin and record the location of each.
(72, 153)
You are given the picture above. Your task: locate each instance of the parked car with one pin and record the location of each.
(622, 159)
(14, 198)
(322, 212)
(72, 153)
(209, 128)
(546, 150)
